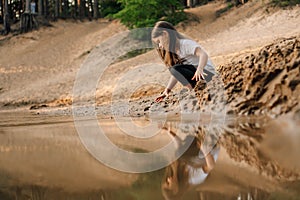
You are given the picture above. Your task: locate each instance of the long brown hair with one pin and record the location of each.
(168, 56)
(182, 180)
(179, 169)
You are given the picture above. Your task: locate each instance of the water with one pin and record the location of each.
(43, 157)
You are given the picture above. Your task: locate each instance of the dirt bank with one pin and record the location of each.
(41, 66)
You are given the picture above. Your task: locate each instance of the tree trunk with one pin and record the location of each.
(60, 7)
(6, 20)
(1, 10)
(82, 9)
(20, 6)
(66, 8)
(90, 10)
(75, 9)
(46, 9)
(27, 6)
(28, 20)
(40, 7)
(96, 9)
(56, 9)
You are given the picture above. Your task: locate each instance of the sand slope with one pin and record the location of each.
(39, 68)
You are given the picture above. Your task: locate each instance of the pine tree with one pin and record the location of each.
(143, 13)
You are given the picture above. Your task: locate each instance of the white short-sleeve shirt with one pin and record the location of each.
(187, 49)
(196, 174)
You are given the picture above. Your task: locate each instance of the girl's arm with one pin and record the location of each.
(210, 161)
(172, 82)
(203, 58)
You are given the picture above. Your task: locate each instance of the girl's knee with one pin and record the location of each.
(174, 69)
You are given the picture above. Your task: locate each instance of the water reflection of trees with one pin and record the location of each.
(35, 192)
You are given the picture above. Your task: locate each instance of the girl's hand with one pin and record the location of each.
(199, 74)
(163, 95)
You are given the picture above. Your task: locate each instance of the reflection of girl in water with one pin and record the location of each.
(190, 170)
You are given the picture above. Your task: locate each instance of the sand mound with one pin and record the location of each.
(266, 83)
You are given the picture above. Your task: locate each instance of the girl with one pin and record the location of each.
(185, 58)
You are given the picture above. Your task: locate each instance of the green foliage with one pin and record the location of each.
(146, 187)
(285, 3)
(176, 17)
(225, 9)
(109, 7)
(129, 55)
(145, 13)
(203, 2)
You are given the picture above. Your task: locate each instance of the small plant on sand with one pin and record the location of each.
(285, 3)
(225, 9)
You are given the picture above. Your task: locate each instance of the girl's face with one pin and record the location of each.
(162, 41)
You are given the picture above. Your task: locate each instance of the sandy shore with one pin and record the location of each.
(41, 66)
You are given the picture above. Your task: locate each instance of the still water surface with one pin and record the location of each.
(42, 157)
